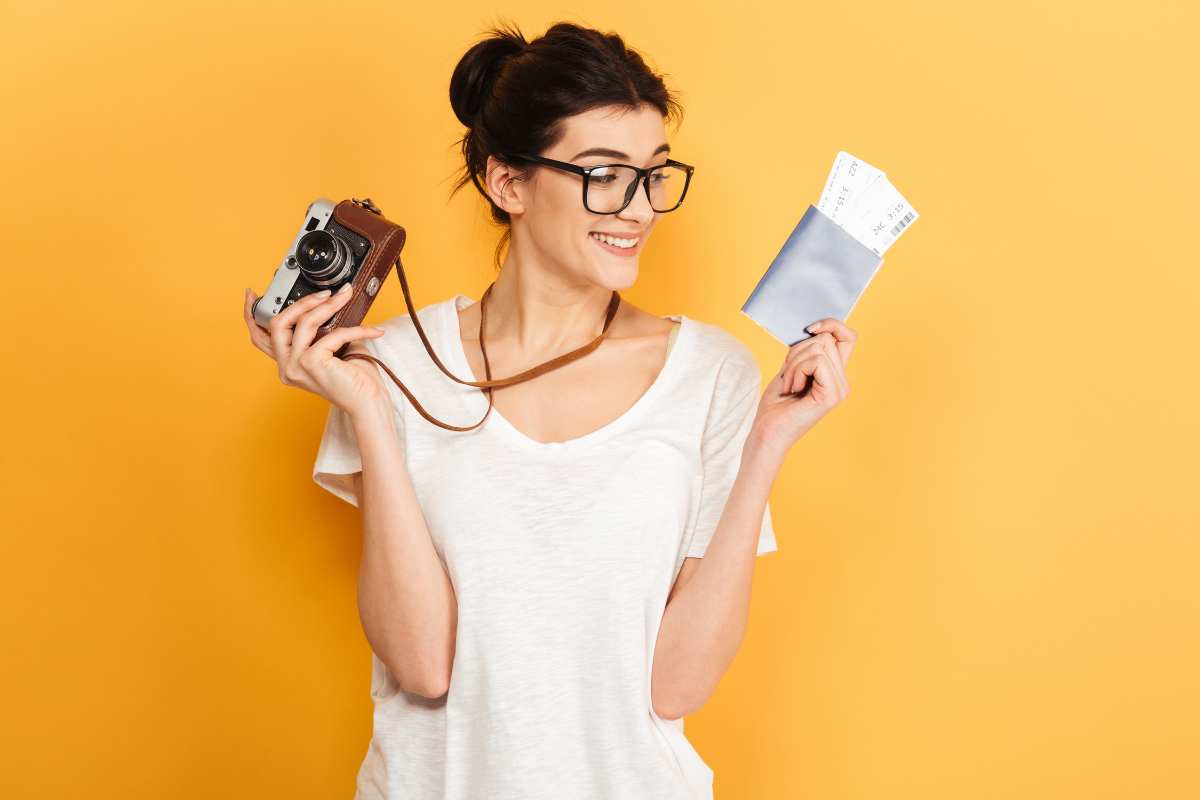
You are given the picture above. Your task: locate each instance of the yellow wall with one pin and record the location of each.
(986, 579)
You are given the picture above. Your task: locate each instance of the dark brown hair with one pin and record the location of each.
(512, 94)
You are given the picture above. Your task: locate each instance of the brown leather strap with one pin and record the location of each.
(488, 384)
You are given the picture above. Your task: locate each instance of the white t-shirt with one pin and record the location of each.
(561, 555)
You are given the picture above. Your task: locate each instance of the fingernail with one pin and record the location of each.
(813, 327)
(345, 288)
(322, 293)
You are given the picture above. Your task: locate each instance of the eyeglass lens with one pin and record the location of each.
(610, 188)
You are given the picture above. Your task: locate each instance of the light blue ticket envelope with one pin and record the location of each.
(821, 271)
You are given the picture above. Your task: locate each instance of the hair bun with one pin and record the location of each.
(477, 70)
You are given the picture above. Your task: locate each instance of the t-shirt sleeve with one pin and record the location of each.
(338, 456)
(730, 415)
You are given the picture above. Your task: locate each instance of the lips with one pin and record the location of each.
(619, 251)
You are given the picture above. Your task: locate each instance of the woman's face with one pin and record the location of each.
(552, 227)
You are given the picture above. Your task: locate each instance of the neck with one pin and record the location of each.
(543, 312)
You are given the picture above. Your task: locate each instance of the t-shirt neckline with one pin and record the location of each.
(500, 425)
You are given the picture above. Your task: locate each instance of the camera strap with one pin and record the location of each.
(487, 384)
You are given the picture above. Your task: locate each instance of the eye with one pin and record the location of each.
(604, 175)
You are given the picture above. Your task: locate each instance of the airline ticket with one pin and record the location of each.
(860, 199)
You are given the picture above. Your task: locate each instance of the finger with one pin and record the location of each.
(824, 369)
(786, 377)
(802, 349)
(790, 364)
(262, 341)
(838, 374)
(333, 341)
(795, 352)
(316, 316)
(281, 325)
(826, 344)
(825, 387)
(248, 311)
(259, 335)
(844, 336)
(797, 373)
(289, 314)
(818, 367)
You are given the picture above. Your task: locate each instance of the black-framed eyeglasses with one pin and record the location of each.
(609, 188)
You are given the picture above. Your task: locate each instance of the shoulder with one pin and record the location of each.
(402, 351)
(400, 331)
(722, 352)
(722, 371)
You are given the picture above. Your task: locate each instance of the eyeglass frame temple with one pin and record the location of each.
(643, 175)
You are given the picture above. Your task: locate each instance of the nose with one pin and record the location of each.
(639, 207)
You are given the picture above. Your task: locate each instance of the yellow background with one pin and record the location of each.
(986, 583)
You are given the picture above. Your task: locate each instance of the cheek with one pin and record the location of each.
(560, 214)
(560, 198)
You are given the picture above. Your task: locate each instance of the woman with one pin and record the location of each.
(546, 595)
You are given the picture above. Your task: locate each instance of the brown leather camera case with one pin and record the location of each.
(387, 240)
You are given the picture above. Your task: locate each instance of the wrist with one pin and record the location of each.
(371, 412)
(761, 455)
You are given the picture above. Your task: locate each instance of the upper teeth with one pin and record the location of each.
(615, 241)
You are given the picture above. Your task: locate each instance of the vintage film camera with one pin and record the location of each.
(348, 242)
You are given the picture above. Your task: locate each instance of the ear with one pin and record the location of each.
(505, 185)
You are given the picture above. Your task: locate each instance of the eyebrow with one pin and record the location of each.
(609, 153)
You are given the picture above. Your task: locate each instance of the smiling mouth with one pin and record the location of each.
(626, 246)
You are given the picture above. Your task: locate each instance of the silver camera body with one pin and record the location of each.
(323, 255)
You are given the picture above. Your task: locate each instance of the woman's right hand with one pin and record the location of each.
(353, 384)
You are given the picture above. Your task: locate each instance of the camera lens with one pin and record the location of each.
(323, 258)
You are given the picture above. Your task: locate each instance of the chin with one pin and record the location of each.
(613, 271)
(618, 280)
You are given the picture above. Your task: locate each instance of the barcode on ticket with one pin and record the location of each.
(899, 226)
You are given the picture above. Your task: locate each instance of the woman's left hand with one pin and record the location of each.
(786, 411)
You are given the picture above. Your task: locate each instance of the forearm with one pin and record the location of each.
(405, 598)
(705, 620)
